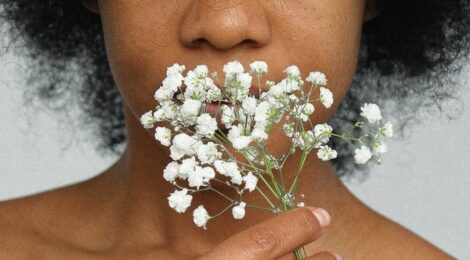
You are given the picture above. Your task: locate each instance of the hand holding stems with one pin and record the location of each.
(277, 237)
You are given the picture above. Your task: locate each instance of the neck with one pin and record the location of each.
(138, 197)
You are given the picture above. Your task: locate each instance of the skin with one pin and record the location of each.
(123, 211)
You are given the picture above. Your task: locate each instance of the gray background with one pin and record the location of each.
(427, 175)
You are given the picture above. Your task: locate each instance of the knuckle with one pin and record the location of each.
(263, 239)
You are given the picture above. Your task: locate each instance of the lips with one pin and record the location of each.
(214, 110)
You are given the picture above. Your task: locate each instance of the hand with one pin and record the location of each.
(277, 237)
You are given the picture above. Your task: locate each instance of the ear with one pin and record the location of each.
(91, 5)
(371, 11)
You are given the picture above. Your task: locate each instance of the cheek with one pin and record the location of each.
(140, 44)
(327, 38)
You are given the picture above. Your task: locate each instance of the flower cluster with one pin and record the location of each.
(208, 129)
(376, 147)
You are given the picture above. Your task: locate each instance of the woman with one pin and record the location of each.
(123, 212)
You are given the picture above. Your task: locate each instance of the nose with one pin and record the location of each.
(225, 24)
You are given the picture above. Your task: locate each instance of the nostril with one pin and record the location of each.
(249, 42)
(198, 42)
(202, 41)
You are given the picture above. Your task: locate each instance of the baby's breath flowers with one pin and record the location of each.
(235, 153)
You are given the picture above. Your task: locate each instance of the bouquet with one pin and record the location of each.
(220, 135)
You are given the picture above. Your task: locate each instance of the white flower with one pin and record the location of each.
(208, 174)
(163, 135)
(229, 169)
(234, 132)
(176, 153)
(238, 140)
(233, 67)
(208, 153)
(325, 153)
(206, 125)
(259, 135)
(244, 118)
(362, 155)
(290, 85)
(175, 69)
(190, 110)
(172, 82)
(213, 93)
(163, 94)
(159, 115)
(323, 130)
(183, 144)
(304, 140)
(326, 97)
(241, 142)
(293, 98)
(196, 178)
(308, 109)
(169, 109)
(261, 112)
(228, 116)
(245, 83)
(250, 181)
(288, 129)
(201, 70)
(278, 89)
(200, 216)
(191, 80)
(379, 147)
(259, 67)
(238, 211)
(249, 105)
(387, 130)
(147, 120)
(200, 176)
(195, 92)
(180, 200)
(317, 78)
(186, 167)
(303, 111)
(292, 70)
(171, 171)
(371, 112)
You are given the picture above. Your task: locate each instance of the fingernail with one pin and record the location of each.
(338, 257)
(322, 216)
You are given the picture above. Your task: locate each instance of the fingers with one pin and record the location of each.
(275, 237)
(325, 255)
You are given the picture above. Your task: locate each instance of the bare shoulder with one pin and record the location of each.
(24, 222)
(18, 242)
(401, 243)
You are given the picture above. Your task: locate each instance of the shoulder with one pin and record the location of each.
(26, 222)
(18, 236)
(402, 243)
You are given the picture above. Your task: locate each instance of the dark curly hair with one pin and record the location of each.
(410, 58)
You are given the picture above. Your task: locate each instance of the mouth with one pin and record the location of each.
(215, 110)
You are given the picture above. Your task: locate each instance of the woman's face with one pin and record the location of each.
(144, 37)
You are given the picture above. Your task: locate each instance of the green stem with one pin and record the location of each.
(299, 253)
(223, 195)
(265, 197)
(297, 174)
(273, 180)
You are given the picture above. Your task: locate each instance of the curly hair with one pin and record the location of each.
(410, 54)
